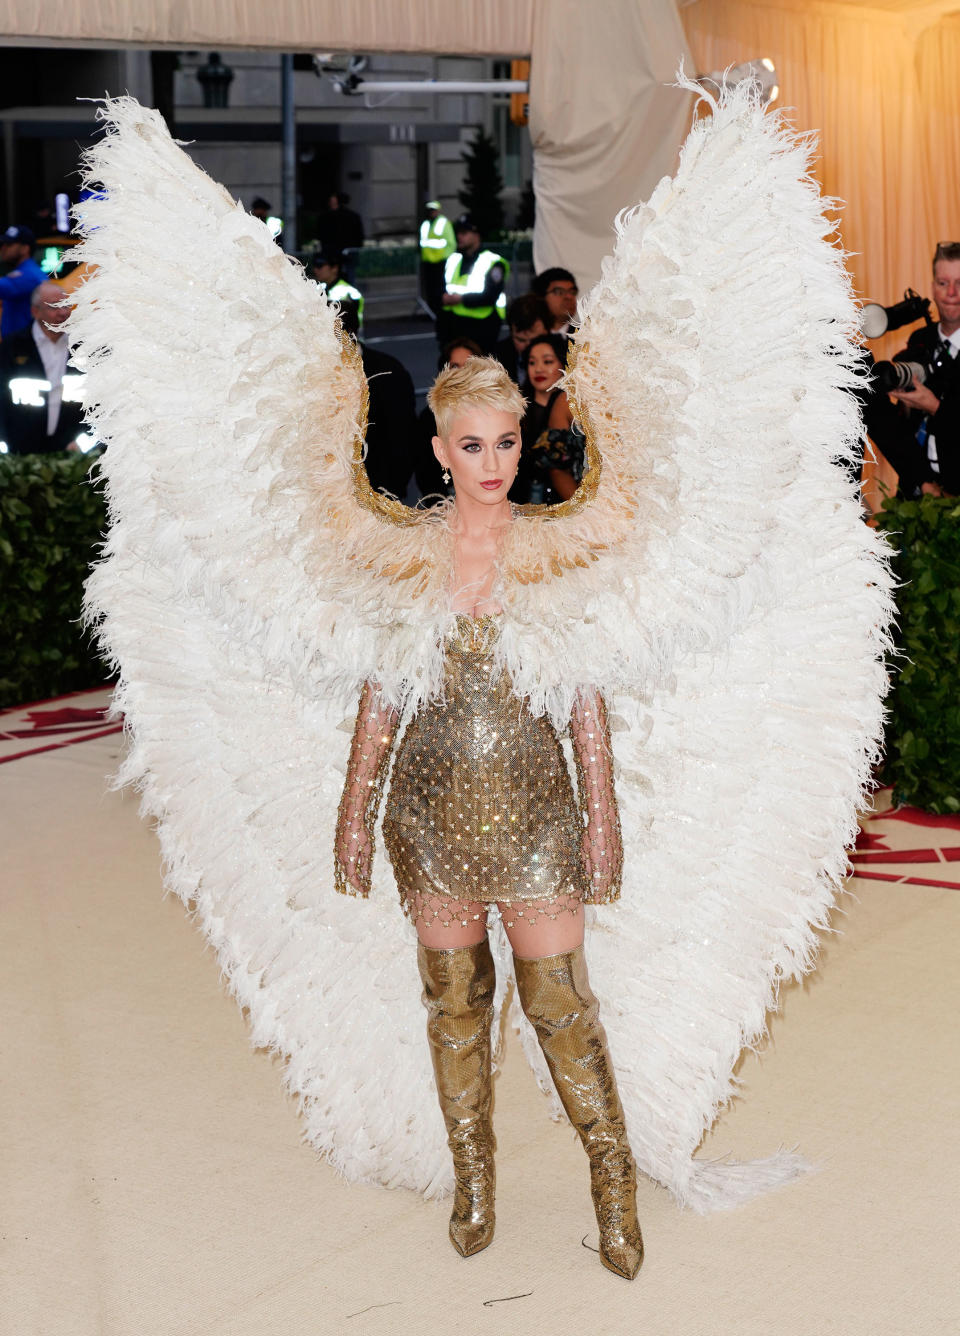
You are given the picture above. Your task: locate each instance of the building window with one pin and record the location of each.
(508, 137)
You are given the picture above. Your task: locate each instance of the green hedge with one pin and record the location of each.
(923, 731)
(51, 519)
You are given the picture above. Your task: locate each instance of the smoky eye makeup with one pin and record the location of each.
(473, 443)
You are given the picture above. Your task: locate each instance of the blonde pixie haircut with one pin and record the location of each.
(482, 382)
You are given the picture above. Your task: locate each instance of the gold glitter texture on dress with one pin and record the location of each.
(481, 808)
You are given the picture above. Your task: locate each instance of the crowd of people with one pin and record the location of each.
(400, 458)
(464, 285)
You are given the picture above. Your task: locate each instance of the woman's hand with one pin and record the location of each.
(353, 849)
(602, 850)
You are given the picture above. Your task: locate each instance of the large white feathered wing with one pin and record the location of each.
(216, 377)
(748, 602)
(727, 587)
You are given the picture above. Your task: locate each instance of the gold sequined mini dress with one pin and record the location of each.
(481, 807)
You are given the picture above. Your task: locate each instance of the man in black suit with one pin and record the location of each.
(923, 442)
(41, 411)
(392, 416)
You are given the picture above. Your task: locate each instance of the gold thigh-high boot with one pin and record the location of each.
(557, 999)
(458, 988)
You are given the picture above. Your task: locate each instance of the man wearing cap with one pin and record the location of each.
(327, 271)
(16, 250)
(474, 302)
(437, 244)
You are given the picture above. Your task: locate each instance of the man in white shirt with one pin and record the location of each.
(559, 290)
(40, 395)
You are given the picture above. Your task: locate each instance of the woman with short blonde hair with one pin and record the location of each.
(481, 816)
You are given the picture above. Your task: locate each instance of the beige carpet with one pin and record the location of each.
(154, 1183)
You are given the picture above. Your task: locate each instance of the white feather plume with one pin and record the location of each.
(721, 587)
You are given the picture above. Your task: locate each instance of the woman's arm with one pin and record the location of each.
(373, 736)
(560, 415)
(602, 845)
(562, 479)
(563, 483)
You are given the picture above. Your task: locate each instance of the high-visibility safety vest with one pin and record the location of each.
(342, 291)
(436, 239)
(475, 281)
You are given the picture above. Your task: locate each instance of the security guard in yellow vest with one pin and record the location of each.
(326, 270)
(437, 244)
(475, 301)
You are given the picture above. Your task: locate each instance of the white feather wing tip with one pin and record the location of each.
(723, 1185)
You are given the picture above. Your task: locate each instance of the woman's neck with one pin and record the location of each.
(474, 520)
(478, 532)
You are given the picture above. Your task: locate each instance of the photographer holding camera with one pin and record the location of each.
(921, 439)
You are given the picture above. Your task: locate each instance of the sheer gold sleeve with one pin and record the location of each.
(373, 737)
(602, 845)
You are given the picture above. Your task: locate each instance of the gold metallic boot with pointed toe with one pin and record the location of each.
(458, 987)
(558, 1001)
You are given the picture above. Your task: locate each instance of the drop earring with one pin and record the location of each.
(446, 477)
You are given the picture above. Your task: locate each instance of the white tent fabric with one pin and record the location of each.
(605, 124)
(492, 27)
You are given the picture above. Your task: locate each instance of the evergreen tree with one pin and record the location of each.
(482, 185)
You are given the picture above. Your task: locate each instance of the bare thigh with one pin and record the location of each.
(542, 935)
(534, 928)
(466, 926)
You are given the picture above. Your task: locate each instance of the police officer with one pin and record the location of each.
(24, 274)
(474, 302)
(437, 244)
(41, 393)
(327, 270)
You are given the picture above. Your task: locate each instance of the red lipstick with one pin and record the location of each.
(493, 484)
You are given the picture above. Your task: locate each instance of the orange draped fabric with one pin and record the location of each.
(878, 87)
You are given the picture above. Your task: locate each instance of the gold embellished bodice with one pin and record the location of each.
(480, 804)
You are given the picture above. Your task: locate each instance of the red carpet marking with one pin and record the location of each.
(48, 732)
(907, 881)
(918, 818)
(867, 840)
(69, 714)
(54, 746)
(62, 721)
(67, 695)
(898, 856)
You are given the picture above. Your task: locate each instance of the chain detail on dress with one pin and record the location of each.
(593, 755)
(370, 749)
(455, 794)
(481, 809)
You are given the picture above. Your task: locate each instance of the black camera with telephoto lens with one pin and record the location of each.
(900, 374)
